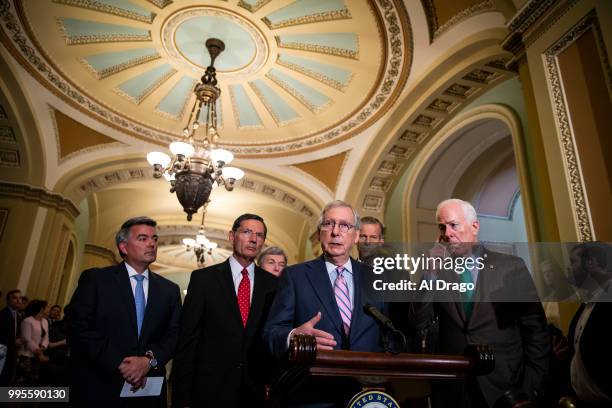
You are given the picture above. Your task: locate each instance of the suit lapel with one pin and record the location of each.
(228, 292)
(126, 295)
(319, 279)
(357, 313)
(257, 302)
(153, 299)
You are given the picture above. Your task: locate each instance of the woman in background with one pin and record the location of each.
(35, 336)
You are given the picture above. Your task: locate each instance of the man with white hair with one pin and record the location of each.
(514, 329)
(325, 298)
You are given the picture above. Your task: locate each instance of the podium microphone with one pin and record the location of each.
(387, 324)
(379, 317)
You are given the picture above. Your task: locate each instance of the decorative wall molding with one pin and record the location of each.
(530, 22)
(571, 160)
(40, 195)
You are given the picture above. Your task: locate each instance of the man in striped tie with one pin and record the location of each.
(324, 298)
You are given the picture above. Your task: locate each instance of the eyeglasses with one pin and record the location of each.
(259, 235)
(329, 225)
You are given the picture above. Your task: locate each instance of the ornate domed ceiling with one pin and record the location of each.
(295, 75)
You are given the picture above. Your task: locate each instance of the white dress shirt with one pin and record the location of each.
(237, 274)
(145, 281)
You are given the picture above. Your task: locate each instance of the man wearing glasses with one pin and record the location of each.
(221, 360)
(324, 298)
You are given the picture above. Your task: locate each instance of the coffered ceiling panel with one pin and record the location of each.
(294, 75)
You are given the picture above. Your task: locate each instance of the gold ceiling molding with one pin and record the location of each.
(395, 32)
(575, 179)
(107, 8)
(326, 171)
(311, 18)
(160, 3)
(41, 196)
(117, 68)
(423, 124)
(461, 10)
(337, 52)
(101, 38)
(74, 138)
(532, 20)
(253, 8)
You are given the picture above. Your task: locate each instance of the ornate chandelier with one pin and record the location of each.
(197, 165)
(200, 245)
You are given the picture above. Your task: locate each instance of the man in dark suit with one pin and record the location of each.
(588, 349)
(325, 298)
(515, 330)
(221, 360)
(123, 323)
(10, 322)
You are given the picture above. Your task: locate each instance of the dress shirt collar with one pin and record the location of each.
(132, 271)
(331, 268)
(237, 268)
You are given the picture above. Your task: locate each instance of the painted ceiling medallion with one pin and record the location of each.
(299, 75)
(183, 34)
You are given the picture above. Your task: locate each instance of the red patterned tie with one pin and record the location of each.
(244, 296)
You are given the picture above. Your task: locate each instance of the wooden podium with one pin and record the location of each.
(376, 370)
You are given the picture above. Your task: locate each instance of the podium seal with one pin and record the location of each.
(373, 399)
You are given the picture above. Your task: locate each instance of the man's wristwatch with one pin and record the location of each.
(152, 361)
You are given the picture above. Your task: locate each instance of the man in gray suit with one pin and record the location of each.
(515, 330)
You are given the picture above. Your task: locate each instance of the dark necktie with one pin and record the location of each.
(244, 296)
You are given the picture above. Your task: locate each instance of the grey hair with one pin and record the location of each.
(336, 204)
(273, 250)
(468, 209)
(124, 233)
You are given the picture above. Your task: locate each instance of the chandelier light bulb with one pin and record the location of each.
(201, 239)
(189, 242)
(221, 156)
(211, 245)
(159, 158)
(232, 173)
(169, 177)
(182, 148)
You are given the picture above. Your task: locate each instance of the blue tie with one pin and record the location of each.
(139, 297)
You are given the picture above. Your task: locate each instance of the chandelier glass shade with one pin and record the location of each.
(200, 245)
(198, 165)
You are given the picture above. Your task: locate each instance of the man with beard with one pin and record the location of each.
(514, 328)
(221, 360)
